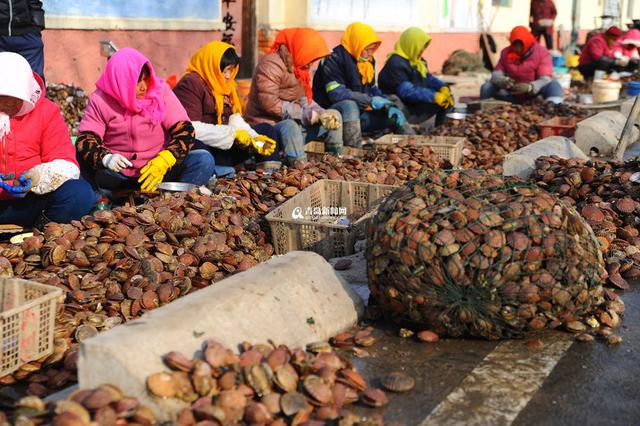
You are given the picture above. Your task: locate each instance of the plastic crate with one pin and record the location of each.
(558, 126)
(445, 147)
(300, 223)
(315, 150)
(28, 320)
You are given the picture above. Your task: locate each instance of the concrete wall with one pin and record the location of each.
(73, 56)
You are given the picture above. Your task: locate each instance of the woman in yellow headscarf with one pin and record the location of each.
(407, 76)
(348, 74)
(208, 92)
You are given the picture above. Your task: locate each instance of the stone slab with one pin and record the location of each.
(293, 299)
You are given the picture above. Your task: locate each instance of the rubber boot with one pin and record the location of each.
(41, 221)
(351, 134)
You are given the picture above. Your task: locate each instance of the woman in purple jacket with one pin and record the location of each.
(524, 71)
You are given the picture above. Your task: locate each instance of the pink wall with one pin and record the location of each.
(73, 56)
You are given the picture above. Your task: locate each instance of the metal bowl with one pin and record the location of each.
(176, 186)
(456, 116)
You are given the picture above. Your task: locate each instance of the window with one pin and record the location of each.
(130, 15)
(378, 13)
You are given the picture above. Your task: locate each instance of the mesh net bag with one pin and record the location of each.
(470, 254)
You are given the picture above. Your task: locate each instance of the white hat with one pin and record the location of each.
(17, 80)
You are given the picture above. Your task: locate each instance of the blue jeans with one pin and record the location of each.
(197, 168)
(28, 45)
(551, 90)
(226, 160)
(71, 201)
(294, 136)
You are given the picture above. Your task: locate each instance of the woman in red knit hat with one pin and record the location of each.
(598, 52)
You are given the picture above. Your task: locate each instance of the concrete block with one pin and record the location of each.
(523, 161)
(601, 132)
(293, 299)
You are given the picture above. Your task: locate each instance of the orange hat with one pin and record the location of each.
(305, 45)
(524, 36)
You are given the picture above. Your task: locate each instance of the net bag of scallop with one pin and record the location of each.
(471, 254)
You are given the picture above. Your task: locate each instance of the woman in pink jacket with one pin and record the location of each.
(39, 176)
(136, 133)
(524, 71)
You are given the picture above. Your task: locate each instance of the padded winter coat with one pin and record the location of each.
(273, 84)
(338, 79)
(399, 78)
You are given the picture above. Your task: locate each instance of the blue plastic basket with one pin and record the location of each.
(633, 88)
(558, 61)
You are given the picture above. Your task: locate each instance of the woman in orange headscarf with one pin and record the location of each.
(524, 71)
(281, 94)
(208, 93)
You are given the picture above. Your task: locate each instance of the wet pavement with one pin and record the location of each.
(475, 382)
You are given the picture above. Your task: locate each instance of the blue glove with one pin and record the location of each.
(17, 191)
(393, 113)
(378, 102)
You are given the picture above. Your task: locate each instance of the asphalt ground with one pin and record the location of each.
(477, 382)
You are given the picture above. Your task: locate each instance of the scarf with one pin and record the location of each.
(119, 80)
(523, 35)
(305, 46)
(355, 39)
(18, 81)
(206, 63)
(410, 46)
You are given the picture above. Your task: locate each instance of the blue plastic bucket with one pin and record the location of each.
(633, 88)
(558, 61)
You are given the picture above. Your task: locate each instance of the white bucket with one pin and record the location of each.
(564, 80)
(605, 91)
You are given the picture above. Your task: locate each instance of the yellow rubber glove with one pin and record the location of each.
(243, 138)
(441, 99)
(264, 145)
(446, 91)
(153, 172)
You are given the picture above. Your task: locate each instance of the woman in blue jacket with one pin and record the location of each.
(407, 76)
(345, 80)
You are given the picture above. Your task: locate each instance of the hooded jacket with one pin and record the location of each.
(406, 74)
(338, 79)
(38, 137)
(110, 126)
(595, 49)
(19, 17)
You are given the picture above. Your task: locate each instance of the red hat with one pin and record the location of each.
(614, 32)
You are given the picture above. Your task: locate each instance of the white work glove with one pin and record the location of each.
(116, 162)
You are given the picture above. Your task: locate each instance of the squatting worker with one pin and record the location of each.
(524, 71)
(598, 53)
(281, 94)
(407, 76)
(39, 173)
(209, 95)
(349, 74)
(135, 133)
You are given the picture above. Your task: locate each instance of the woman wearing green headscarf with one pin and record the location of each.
(407, 76)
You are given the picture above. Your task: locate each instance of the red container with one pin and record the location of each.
(558, 126)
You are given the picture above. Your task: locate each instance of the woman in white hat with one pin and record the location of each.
(38, 169)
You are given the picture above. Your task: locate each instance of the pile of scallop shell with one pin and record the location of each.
(269, 384)
(606, 195)
(118, 264)
(466, 253)
(494, 133)
(72, 102)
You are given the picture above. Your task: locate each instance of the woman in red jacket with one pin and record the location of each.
(38, 169)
